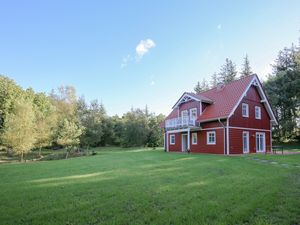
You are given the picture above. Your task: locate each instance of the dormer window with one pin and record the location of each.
(193, 113)
(245, 110)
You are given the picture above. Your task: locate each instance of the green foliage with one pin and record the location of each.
(68, 135)
(203, 86)
(228, 72)
(246, 69)
(9, 94)
(283, 89)
(19, 128)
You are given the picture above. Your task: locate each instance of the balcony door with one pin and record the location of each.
(184, 117)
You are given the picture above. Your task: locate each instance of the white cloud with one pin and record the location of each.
(219, 27)
(143, 47)
(125, 61)
(152, 83)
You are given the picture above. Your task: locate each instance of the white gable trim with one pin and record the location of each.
(184, 98)
(256, 82)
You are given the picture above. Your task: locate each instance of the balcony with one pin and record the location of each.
(180, 122)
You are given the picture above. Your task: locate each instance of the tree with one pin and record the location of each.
(246, 69)
(214, 80)
(69, 135)
(201, 87)
(228, 72)
(283, 89)
(45, 120)
(92, 117)
(155, 133)
(19, 128)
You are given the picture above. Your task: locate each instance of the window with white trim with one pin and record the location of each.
(260, 142)
(245, 110)
(193, 113)
(211, 138)
(172, 139)
(257, 112)
(184, 114)
(194, 138)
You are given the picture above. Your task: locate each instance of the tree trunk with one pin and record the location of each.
(40, 151)
(67, 154)
(22, 155)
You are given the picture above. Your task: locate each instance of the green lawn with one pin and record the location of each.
(150, 187)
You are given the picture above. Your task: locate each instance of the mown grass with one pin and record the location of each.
(149, 187)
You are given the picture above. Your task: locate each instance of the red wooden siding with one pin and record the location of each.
(189, 105)
(201, 146)
(236, 140)
(177, 146)
(252, 98)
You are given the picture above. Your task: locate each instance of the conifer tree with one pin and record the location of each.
(246, 69)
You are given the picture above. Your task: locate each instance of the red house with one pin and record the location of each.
(234, 118)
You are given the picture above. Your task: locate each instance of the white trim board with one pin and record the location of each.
(247, 128)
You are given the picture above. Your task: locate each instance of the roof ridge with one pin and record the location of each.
(240, 78)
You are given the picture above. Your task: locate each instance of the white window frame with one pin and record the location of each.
(184, 111)
(258, 144)
(191, 113)
(258, 112)
(207, 138)
(246, 134)
(247, 109)
(194, 135)
(172, 136)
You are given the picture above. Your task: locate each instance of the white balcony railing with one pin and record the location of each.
(180, 122)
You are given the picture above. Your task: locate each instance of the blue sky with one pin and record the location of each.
(133, 53)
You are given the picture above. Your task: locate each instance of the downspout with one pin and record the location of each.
(224, 135)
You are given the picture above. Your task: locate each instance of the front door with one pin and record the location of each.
(184, 142)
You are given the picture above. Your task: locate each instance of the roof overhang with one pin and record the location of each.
(186, 97)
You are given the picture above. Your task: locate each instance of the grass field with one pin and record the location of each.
(151, 187)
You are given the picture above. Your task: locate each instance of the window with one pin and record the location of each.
(245, 142)
(260, 142)
(193, 114)
(194, 138)
(245, 110)
(211, 137)
(172, 139)
(184, 113)
(257, 112)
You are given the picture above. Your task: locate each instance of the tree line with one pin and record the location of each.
(227, 73)
(30, 120)
(282, 87)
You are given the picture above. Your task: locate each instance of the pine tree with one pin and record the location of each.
(228, 72)
(246, 69)
(214, 80)
(197, 88)
(203, 86)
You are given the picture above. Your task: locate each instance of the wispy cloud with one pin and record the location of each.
(125, 61)
(152, 83)
(143, 47)
(219, 27)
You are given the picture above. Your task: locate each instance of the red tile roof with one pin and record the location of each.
(224, 99)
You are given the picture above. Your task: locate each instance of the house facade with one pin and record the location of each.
(235, 118)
